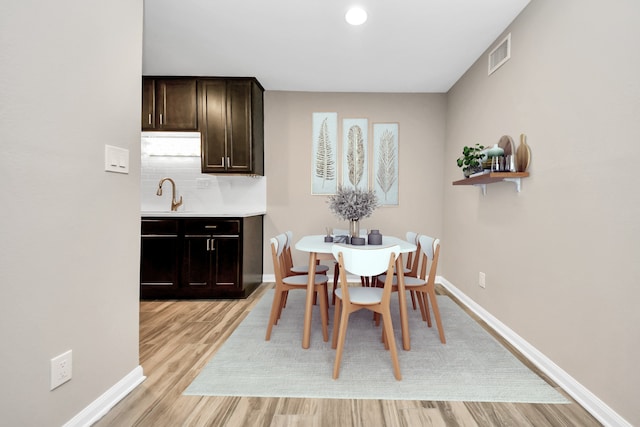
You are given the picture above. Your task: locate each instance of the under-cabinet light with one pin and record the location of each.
(173, 145)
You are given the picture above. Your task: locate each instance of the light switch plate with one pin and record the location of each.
(116, 159)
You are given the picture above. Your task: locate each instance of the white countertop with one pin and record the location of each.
(169, 214)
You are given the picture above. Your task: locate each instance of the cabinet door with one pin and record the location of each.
(169, 104)
(148, 104)
(159, 265)
(211, 266)
(227, 261)
(226, 122)
(159, 258)
(213, 125)
(176, 104)
(198, 267)
(239, 138)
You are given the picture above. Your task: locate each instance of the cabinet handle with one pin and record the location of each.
(210, 226)
(161, 119)
(208, 245)
(149, 118)
(222, 161)
(228, 162)
(212, 247)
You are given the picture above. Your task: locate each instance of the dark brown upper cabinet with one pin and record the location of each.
(231, 122)
(169, 104)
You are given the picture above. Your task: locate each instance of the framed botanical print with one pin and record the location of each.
(385, 163)
(355, 172)
(324, 168)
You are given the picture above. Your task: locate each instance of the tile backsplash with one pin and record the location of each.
(200, 192)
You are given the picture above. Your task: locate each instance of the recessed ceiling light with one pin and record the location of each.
(356, 16)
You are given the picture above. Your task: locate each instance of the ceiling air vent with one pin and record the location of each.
(500, 54)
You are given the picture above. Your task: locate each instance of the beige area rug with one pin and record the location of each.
(471, 366)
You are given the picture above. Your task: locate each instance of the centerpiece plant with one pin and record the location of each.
(353, 204)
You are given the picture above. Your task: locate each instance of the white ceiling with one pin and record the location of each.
(306, 45)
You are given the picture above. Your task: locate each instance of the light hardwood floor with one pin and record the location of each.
(177, 338)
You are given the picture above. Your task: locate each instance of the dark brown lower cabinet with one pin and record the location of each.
(212, 258)
(159, 252)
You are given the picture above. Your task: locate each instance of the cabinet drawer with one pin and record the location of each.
(159, 227)
(212, 227)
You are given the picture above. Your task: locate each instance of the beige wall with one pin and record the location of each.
(561, 256)
(288, 144)
(69, 235)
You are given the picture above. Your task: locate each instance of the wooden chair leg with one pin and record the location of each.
(384, 335)
(324, 312)
(344, 321)
(436, 313)
(336, 274)
(283, 303)
(413, 298)
(423, 306)
(427, 311)
(275, 310)
(390, 339)
(336, 323)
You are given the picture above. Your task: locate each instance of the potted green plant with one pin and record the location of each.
(471, 159)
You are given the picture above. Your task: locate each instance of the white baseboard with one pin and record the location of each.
(99, 407)
(584, 397)
(268, 278)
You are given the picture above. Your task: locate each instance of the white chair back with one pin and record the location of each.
(412, 237)
(289, 236)
(427, 244)
(279, 242)
(365, 261)
(431, 249)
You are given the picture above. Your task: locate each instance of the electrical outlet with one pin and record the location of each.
(61, 368)
(481, 280)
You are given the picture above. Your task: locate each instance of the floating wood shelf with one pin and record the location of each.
(490, 178)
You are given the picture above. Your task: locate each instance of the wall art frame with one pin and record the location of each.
(386, 168)
(324, 157)
(355, 147)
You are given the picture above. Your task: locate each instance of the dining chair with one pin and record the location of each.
(302, 268)
(413, 261)
(364, 261)
(424, 283)
(410, 270)
(336, 270)
(285, 283)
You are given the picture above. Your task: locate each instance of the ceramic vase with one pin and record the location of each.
(495, 151)
(375, 238)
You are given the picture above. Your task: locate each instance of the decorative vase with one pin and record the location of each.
(354, 228)
(375, 238)
(495, 151)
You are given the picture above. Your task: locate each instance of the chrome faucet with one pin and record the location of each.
(174, 203)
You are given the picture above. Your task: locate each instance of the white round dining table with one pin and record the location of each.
(319, 249)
